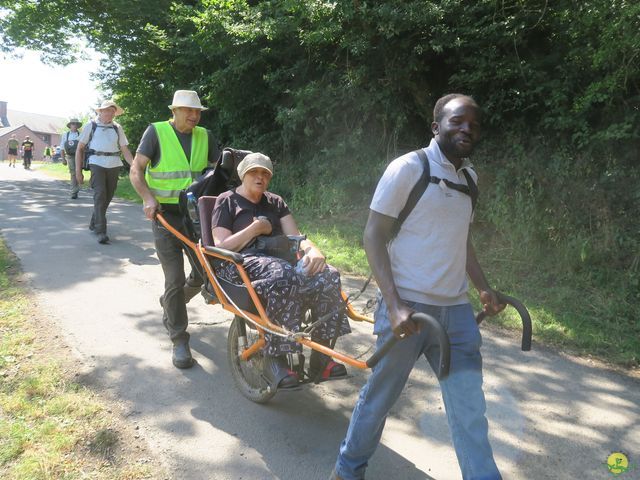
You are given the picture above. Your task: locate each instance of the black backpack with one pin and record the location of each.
(423, 182)
(70, 146)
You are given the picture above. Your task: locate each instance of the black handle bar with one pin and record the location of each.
(524, 315)
(434, 329)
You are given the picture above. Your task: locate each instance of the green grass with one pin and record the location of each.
(50, 426)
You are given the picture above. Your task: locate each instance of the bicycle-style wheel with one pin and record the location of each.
(247, 375)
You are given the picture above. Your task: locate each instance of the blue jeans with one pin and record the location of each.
(461, 391)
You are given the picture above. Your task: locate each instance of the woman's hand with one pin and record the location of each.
(261, 226)
(313, 261)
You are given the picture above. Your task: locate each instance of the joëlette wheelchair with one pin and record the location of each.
(245, 340)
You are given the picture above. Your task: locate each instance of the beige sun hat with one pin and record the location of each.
(74, 120)
(253, 161)
(108, 104)
(186, 98)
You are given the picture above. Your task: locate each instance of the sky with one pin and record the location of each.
(28, 85)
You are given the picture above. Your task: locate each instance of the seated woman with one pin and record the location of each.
(248, 211)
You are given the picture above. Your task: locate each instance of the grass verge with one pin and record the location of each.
(51, 427)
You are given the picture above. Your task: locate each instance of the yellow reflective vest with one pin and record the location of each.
(173, 171)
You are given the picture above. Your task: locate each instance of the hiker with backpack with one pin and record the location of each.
(99, 147)
(171, 154)
(421, 266)
(70, 141)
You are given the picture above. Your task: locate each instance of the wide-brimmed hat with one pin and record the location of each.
(186, 98)
(108, 104)
(253, 161)
(74, 121)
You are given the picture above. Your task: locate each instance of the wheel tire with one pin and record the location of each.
(247, 375)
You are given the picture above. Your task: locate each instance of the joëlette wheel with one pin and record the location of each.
(247, 375)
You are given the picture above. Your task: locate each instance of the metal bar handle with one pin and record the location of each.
(434, 329)
(524, 315)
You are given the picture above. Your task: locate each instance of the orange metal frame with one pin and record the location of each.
(261, 320)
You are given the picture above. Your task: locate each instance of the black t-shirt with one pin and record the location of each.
(235, 212)
(150, 146)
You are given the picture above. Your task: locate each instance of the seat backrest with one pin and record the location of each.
(231, 157)
(205, 210)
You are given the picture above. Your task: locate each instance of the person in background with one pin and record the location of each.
(170, 156)
(103, 140)
(423, 269)
(27, 152)
(70, 140)
(46, 155)
(12, 146)
(56, 153)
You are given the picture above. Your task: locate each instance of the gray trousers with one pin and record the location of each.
(103, 182)
(71, 163)
(169, 250)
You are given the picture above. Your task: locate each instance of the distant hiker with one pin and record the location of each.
(46, 155)
(13, 146)
(170, 156)
(27, 152)
(423, 269)
(103, 140)
(70, 141)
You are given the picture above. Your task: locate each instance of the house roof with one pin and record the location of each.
(36, 122)
(6, 130)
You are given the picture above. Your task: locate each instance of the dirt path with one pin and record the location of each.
(551, 416)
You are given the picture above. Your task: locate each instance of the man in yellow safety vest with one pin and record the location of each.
(170, 156)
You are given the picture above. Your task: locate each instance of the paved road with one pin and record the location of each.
(551, 416)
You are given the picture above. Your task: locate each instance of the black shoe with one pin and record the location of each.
(276, 371)
(92, 227)
(74, 196)
(181, 357)
(103, 238)
(323, 368)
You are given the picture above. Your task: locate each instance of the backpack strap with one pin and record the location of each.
(423, 182)
(94, 125)
(416, 192)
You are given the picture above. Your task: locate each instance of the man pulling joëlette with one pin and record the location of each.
(424, 269)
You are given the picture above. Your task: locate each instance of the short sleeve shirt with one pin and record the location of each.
(150, 146)
(428, 256)
(13, 143)
(235, 212)
(104, 139)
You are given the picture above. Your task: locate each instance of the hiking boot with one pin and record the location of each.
(74, 196)
(181, 356)
(103, 238)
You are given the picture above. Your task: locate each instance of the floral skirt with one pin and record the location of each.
(287, 295)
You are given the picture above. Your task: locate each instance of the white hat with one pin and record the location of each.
(108, 104)
(253, 161)
(186, 98)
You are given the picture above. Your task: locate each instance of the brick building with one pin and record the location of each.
(44, 130)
